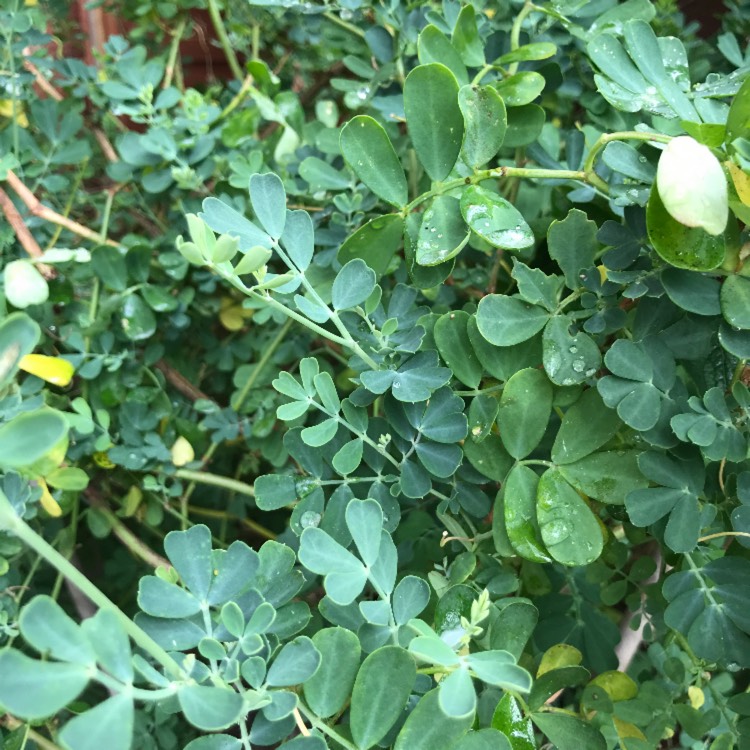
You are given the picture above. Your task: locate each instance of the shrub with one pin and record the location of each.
(419, 348)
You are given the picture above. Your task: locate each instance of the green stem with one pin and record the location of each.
(137, 547)
(11, 522)
(174, 48)
(208, 455)
(515, 32)
(505, 172)
(481, 391)
(138, 693)
(623, 135)
(323, 727)
(247, 86)
(362, 435)
(71, 533)
(13, 89)
(267, 354)
(267, 299)
(216, 480)
(333, 315)
(351, 28)
(255, 48)
(224, 516)
(226, 45)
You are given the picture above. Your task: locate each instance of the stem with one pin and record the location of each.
(11, 522)
(503, 172)
(140, 694)
(351, 28)
(224, 515)
(174, 48)
(226, 45)
(44, 212)
(515, 32)
(267, 354)
(334, 317)
(12, 723)
(722, 534)
(216, 480)
(126, 536)
(245, 88)
(623, 135)
(323, 727)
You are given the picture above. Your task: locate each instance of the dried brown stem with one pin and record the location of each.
(180, 382)
(29, 244)
(37, 208)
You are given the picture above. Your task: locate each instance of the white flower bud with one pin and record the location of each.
(24, 285)
(692, 185)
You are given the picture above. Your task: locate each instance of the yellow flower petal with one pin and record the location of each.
(48, 502)
(232, 315)
(54, 370)
(8, 110)
(741, 182)
(696, 696)
(102, 459)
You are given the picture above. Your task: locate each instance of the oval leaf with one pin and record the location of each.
(369, 152)
(433, 117)
(382, 687)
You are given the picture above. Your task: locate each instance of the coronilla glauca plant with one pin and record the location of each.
(390, 393)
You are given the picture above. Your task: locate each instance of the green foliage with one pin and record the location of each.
(392, 346)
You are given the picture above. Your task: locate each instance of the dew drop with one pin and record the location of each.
(309, 519)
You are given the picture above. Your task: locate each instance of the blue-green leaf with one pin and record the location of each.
(268, 199)
(429, 728)
(437, 140)
(442, 233)
(382, 687)
(504, 321)
(353, 285)
(160, 598)
(226, 220)
(369, 152)
(364, 518)
(569, 528)
(190, 553)
(109, 724)
(495, 219)
(410, 597)
(298, 238)
(50, 630)
(485, 123)
(210, 708)
(35, 689)
(327, 691)
(345, 574)
(296, 662)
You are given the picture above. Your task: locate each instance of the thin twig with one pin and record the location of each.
(29, 244)
(41, 81)
(37, 208)
(180, 382)
(124, 534)
(300, 723)
(11, 722)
